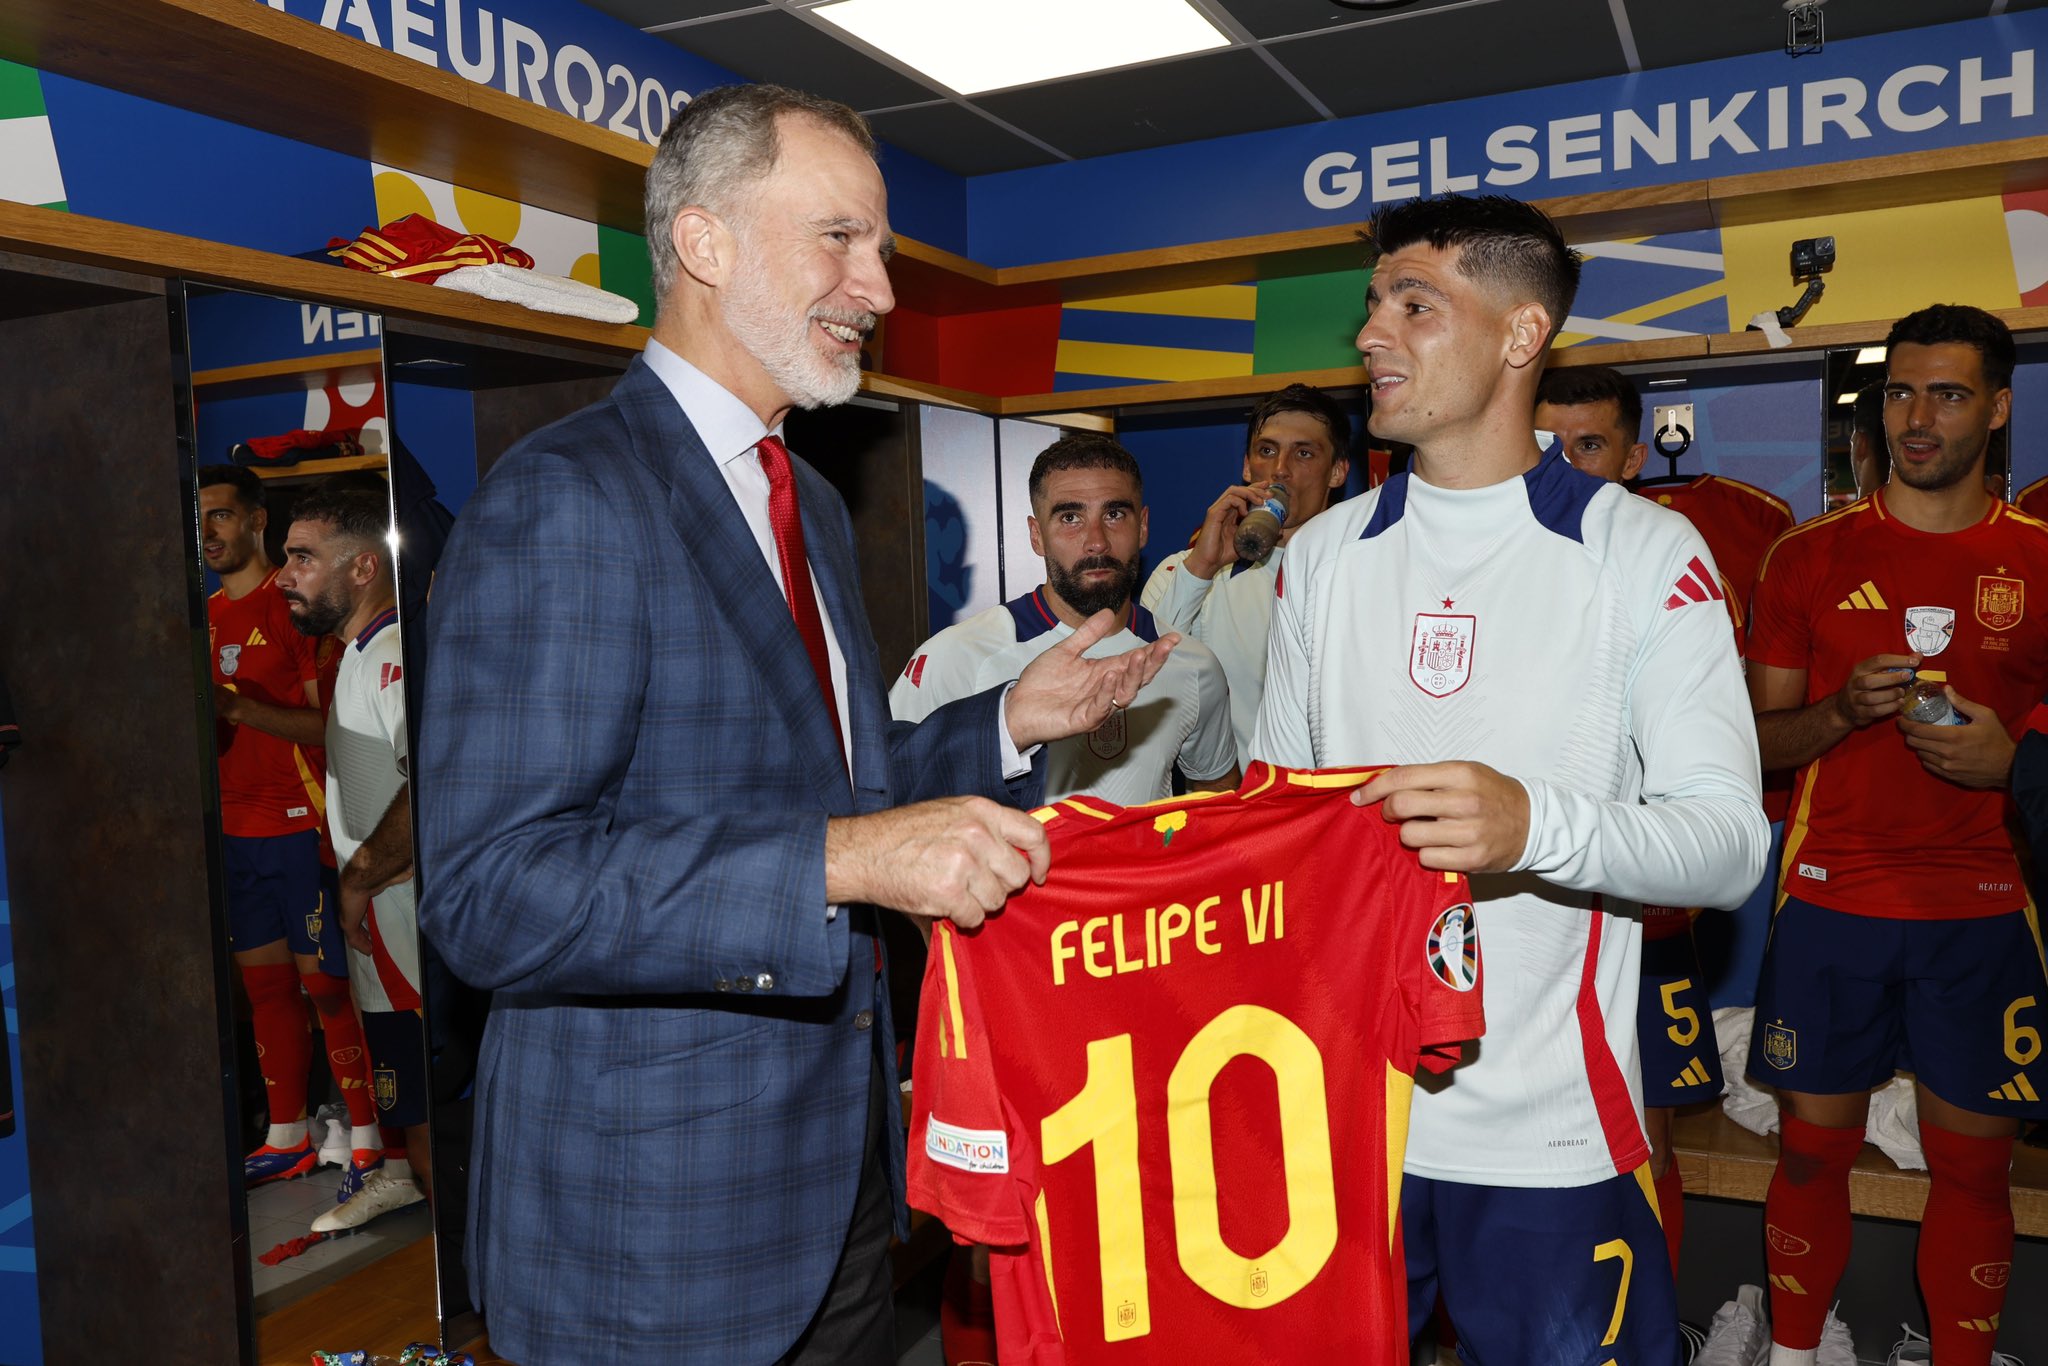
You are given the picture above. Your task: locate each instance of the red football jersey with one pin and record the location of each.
(1738, 522)
(1871, 831)
(268, 786)
(1170, 1088)
(2033, 499)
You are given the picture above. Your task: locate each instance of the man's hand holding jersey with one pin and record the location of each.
(1461, 817)
(1976, 755)
(959, 858)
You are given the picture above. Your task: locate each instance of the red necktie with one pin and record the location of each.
(786, 521)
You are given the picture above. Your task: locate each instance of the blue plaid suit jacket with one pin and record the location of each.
(624, 773)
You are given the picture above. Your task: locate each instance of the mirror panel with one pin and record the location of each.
(288, 398)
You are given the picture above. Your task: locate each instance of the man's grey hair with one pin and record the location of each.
(720, 143)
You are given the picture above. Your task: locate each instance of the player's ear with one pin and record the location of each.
(1528, 335)
(2001, 409)
(259, 520)
(1144, 526)
(1633, 464)
(704, 245)
(1340, 470)
(1037, 541)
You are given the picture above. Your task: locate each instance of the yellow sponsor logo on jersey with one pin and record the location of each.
(1864, 599)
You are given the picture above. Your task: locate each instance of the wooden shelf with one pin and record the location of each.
(303, 372)
(298, 80)
(95, 243)
(1721, 1158)
(314, 469)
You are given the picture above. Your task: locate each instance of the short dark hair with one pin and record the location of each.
(1502, 241)
(1939, 323)
(248, 488)
(356, 514)
(1303, 398)
(1568, 386)
(1084, 451)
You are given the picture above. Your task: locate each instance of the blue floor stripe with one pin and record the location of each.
(12, 1214)
(22, 1259)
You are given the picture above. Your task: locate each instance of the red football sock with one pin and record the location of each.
(1806, 1227)
(348, 1057)
(284, 1046)
(1671, 1208)
(1965, 1242)
(967, 1320)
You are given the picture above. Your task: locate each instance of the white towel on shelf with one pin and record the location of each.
(1894, 1125)
(1753, 1108)
(547, 293)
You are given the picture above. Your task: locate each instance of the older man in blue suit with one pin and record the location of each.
(661, 798)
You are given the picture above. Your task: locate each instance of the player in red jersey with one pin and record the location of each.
(286, 936)
(2033, 499)
(1904, 930)
(1196, 1147)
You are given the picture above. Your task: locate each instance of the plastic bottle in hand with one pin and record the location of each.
(1927, 702)
(1259, 532)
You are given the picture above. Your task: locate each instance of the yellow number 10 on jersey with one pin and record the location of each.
(1104, 1116)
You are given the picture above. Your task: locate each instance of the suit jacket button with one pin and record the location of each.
(724, 985)
(864, 1020)
(766, 981)
(744, 983)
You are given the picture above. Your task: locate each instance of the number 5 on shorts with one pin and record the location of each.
(1688, 1027)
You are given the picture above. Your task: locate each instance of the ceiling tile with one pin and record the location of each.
(1498, 47)
(1278, 18)
(777, 46)
(958, 139)
(1149, 106)
(648, 13)
(1672, 35)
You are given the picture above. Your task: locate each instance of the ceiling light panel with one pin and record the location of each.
(974, 46)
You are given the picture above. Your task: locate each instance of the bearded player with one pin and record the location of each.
(1903, 928)
(1571, 729)
(1088, 523)
(1596, 415)
(338, 579)
(285, 931)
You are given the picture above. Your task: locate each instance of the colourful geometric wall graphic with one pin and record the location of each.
(29, 173)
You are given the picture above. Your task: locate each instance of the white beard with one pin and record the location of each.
(782, 345)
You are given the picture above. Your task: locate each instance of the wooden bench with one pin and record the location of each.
(1721, 1158)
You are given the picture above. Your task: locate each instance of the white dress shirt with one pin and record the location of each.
(730, 430)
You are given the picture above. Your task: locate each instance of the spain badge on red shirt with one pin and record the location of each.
(2001, 601)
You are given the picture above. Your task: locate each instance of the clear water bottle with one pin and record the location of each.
(1259, 532)
(1927, 702)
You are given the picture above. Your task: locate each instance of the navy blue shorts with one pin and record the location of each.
(398, 1065)
(1562, 1277)
(276, 890)
(1675, 1025)
(1844, 1001)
